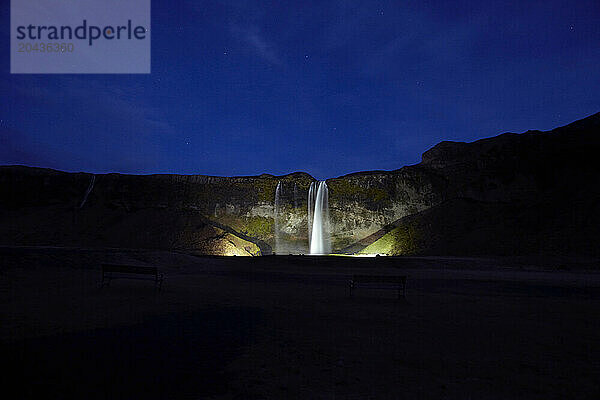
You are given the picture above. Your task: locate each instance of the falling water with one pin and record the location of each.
(295, 196)
(277, 216)
(312, 194)
(88, 191)
(319, 228)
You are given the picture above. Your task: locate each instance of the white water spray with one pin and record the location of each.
(312, 194)
(278, 191)
(318, 222)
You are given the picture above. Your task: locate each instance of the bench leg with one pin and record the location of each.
(158, 282)
(105, 280)
(402, 291)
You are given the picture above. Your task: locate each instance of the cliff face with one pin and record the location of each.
(533, 193)
(210, 215)
(511, 194)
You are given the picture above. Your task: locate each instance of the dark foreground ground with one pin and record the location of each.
(277, 328)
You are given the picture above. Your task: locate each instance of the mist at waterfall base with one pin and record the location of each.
(318, 235)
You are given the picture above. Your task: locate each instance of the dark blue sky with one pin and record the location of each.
(326, 87)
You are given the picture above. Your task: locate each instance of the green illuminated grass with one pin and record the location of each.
(399, 241)
(259, 227)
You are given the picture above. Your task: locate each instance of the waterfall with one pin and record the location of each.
(319, 226)
(277, 217)
(295, 196)
(312, 194)
(88, 191)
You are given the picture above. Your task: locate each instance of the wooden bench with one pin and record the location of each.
(396, 282)
(113, 271)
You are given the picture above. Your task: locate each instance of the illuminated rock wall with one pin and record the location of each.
(512, 194)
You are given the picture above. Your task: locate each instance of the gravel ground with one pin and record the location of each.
(285, 327)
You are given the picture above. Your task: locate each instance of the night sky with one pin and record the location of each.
(326, 87)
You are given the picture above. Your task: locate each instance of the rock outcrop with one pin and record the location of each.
(529, 193)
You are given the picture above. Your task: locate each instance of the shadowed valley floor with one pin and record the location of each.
(285, 327)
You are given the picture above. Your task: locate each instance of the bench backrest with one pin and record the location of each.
(378, 279)
(129, 269)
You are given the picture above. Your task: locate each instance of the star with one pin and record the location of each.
(306, 56)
